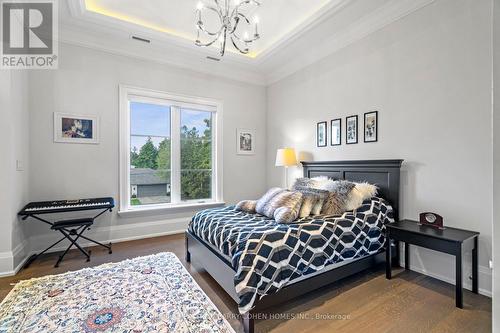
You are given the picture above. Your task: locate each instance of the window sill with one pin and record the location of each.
(162, 209)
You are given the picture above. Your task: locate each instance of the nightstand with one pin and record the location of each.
(449, 240)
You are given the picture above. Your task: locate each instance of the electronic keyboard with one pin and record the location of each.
(62, 206)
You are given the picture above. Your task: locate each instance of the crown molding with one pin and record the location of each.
(320, 16)
(375, 21)
(122, 44)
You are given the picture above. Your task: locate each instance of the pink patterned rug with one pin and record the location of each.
(146, 294)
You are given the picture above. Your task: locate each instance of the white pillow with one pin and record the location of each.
(368, 191)
(360, 193)
(324, 183)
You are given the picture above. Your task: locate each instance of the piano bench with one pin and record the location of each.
(72, 223)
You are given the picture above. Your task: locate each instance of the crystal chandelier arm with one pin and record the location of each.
(209, 43)
(233, 32)
(235, 25)
(223, 46)
(237, 47)
(199, 24)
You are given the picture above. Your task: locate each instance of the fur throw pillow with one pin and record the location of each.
(319, 183)
(280, 204)
(324, 183)
(336, 202)
(360, 193)
(303, 182)
(320, 195)
(368, 191)
(247, 206)
(308, 201)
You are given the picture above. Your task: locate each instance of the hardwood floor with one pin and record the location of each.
(366, 302)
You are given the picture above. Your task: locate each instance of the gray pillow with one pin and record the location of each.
(280, 204)
(301, 183)
(263, 205)
(342, 187)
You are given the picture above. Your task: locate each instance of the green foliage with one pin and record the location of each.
(147, 156)
(163, 160)
(135, 202)
(196, 163)
(133, 156)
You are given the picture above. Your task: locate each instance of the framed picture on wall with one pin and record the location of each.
(371, 126)
(336, 132)
(245, 142)
(351, 133)
(70, 128)
(321, 130)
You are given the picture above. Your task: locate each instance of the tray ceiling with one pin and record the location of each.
(278, 18)
(295, 33)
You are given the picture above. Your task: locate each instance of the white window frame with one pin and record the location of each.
(126, 93)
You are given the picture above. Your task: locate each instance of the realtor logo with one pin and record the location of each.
(29, 34)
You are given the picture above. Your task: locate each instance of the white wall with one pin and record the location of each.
(496, 166)
(87, 83)
(429, 75)
(14, 135)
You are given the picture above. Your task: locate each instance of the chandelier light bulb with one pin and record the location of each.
(199, 6)
(256, 19)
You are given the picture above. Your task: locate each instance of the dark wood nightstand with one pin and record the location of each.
(449, 240)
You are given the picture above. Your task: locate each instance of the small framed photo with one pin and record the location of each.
(371, 126)
(336, 132)
(351, 133)
(321, 130)
(70, 128)
(245, 142)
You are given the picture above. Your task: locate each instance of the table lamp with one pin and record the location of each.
(286, 157)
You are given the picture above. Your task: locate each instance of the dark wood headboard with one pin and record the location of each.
(383, 173)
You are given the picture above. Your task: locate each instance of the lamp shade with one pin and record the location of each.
(286, 157)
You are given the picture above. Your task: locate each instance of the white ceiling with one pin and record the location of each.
(277, 18)
(295, 33)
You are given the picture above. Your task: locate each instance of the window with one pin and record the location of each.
(170, 150)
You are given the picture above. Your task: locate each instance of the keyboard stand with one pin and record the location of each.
(72, 230)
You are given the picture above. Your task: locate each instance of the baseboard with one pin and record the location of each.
(6, 259)
(117, 234)
(467, 284)
(484, 273)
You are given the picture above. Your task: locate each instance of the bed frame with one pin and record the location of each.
(384, 173)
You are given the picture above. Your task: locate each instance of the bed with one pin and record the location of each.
(260, 263)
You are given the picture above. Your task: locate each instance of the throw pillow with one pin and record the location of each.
(246, 206)
(320, 194)
(262, 205)
(360, 193)
(308, 201)
(277, 198)
(336, 202)
(287, 206)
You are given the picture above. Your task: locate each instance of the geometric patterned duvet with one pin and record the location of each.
(267, 255)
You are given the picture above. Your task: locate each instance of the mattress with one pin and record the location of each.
(267, 255)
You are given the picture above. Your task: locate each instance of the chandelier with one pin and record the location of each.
(232, 22)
